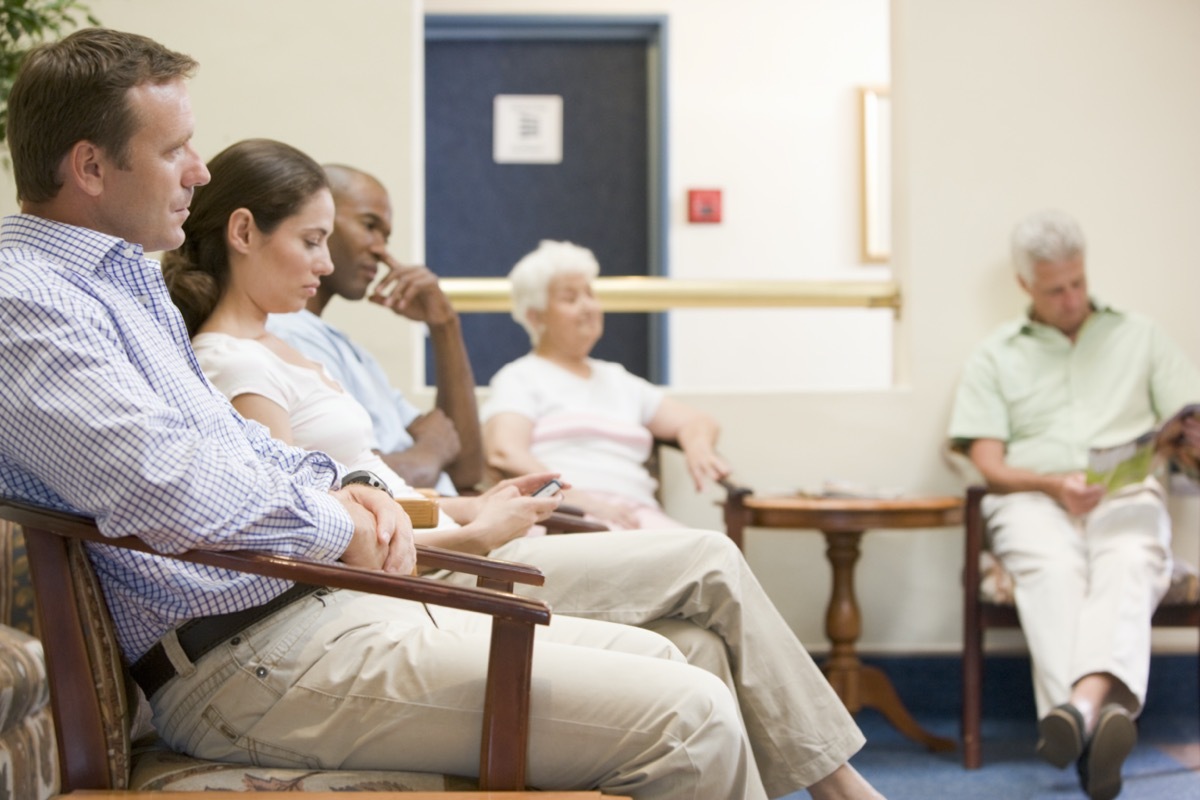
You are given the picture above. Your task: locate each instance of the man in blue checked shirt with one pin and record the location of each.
(105, 411)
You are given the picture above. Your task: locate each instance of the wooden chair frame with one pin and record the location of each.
(81, 741)
(978, 616)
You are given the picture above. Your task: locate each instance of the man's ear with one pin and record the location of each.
(240, 230)
(84, 166)
(1025, 286)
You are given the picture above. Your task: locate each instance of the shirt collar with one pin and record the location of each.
(1027, 326)
(69, 245)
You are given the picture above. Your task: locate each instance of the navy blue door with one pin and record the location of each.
(481, 217)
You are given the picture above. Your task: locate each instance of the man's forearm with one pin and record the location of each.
(456, 399)
(420, 467)
(1006, 480)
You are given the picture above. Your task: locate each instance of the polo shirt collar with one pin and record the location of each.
(1027, 326)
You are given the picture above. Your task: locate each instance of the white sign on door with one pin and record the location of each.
(527, 129)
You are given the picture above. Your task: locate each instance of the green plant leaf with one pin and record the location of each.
(25, 24)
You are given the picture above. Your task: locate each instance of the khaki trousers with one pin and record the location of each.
(354, 681)
(1085, 587)
(695, 588)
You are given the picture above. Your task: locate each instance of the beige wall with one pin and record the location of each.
(1000, 108)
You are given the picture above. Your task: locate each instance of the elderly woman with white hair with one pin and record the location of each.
(557, 409)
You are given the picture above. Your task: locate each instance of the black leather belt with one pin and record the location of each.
(200, 635)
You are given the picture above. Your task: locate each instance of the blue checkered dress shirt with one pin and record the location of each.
(104, 411)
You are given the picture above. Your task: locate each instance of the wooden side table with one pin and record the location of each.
(844, 521)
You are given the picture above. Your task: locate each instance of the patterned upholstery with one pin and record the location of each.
(151, 765)
(28, 754)
(996, 584)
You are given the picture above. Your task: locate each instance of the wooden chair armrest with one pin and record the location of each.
(332, 574)
(734, 489)
(493, 573)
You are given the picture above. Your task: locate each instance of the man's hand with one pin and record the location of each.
(1075, 494)
(412, 290)
(383, 533)
(1179, 440)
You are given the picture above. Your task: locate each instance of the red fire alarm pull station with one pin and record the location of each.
(704, 205)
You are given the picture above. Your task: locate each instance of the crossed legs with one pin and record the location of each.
(720, 617)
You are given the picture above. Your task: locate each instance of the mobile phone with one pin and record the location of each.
(547, 489)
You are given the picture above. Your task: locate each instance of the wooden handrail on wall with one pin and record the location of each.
(635, 293)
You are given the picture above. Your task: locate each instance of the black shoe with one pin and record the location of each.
(1060, 735)
(1110, 745)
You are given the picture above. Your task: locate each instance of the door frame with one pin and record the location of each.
(652, 30)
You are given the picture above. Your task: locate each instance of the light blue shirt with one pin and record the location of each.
(360, 374)
(104, 411)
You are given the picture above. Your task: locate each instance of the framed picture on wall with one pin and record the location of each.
(876, 174)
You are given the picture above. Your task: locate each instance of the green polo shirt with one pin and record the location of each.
(1050, 400)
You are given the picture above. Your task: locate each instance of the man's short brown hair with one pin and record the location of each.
(76, 89)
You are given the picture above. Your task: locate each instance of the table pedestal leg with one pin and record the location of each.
(857, 685)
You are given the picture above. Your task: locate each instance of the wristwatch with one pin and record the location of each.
(367, 479)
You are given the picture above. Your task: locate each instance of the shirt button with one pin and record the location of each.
(261, 672)
(236, 640)
(128, 251)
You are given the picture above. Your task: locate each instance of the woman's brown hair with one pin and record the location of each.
(270, 179)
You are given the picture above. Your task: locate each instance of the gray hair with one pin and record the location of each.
(530, 278)
(1045, 236)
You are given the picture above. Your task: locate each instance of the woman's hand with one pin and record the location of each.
(506, 511)
(704, 465)
(696, 433)
(615, 513)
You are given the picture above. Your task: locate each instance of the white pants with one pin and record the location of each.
(354, 681)
(695, 588)
(1085, 587)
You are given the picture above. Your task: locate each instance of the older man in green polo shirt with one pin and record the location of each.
(1089, 565)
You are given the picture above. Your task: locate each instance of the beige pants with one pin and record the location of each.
(1085, 587)
(361, 682)
(695, 588)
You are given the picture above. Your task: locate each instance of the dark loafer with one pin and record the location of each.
(1060, 735)
(1110, 745)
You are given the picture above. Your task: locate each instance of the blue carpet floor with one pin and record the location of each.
(1164, 766)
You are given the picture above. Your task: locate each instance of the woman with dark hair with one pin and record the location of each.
(257, 244)
(264, 185)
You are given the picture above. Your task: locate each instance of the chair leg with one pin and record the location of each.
(504, 748)
(972, 692)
